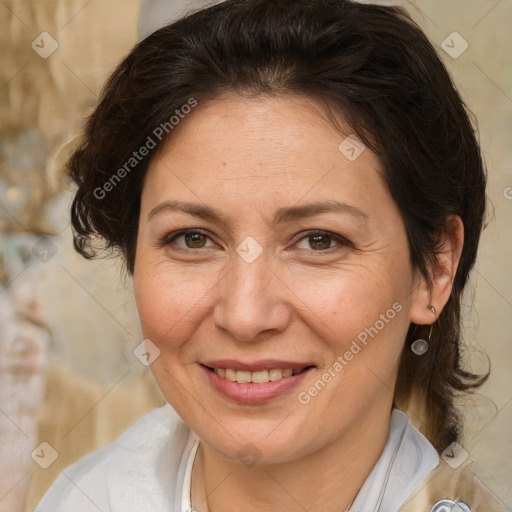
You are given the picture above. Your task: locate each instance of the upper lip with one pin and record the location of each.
(254, 366)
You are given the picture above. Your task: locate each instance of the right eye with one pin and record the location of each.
(191, 239)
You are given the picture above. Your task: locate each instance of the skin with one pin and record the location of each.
(300, 300)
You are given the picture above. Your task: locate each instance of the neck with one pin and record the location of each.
(328, 479)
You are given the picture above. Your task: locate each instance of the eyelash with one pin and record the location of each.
(171, 237)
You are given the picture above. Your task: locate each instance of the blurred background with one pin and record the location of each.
(69, 379)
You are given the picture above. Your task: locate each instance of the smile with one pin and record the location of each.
(259, 377)
(255, 383)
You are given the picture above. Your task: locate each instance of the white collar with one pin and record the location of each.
(186, 505)
(406, 459)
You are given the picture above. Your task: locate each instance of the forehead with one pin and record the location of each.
(262, 151)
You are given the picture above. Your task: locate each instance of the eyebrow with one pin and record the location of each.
(281, 215)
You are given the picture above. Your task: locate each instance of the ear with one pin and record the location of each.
(442, 275)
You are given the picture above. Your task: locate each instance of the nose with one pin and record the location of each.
(253, 302)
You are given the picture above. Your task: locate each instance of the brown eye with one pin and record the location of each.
(186, 239)
(320, 242)
(195, 240)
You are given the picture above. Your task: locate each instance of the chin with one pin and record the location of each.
(256, 443)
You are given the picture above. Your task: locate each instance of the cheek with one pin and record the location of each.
(362, 316)
(363, 327)
(169, 303)
(344, 303)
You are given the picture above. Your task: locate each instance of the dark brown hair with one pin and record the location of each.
(372, 66)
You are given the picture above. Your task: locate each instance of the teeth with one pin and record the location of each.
(259, 377)
(230, 374)
(243, 376)
(275, 374)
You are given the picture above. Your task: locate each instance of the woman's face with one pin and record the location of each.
(296, 261)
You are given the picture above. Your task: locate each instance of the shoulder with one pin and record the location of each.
(131, 474)
(447, 485)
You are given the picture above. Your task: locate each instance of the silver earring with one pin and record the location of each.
(420, 346)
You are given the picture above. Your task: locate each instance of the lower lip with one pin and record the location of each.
(252, 393)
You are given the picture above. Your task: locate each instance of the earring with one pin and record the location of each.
(420, 346)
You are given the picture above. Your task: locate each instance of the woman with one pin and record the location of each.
(298, 192)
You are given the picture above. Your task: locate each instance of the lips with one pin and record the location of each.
(256, 382)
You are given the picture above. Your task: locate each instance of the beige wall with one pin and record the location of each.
(90, 310)
(483, 74)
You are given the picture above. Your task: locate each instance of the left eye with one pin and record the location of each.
(319, 241)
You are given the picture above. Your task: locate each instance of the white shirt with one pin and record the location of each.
(149, 467)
